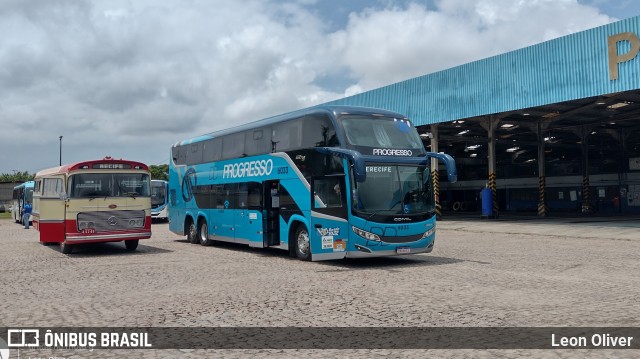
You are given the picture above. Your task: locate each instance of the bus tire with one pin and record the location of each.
(203, 233)
(131, 245)
(456, 206)
(302, 243)
(66, 248)
(192, 232)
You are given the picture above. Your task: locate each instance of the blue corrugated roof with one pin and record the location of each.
(571, 67)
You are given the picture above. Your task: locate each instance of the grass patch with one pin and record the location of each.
(5, 215)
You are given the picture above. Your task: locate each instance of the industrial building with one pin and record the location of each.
(552, 128)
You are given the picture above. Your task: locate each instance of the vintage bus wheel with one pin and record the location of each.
(131, 245)
(303, 245)
(66, 248)
(203, 233)
(192, 233)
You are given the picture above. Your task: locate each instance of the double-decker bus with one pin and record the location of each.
(159, 200)
(105, 200)
(322, 183)
(22, 193)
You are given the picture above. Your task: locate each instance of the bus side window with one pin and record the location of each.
(52, 187)
(254, 195)
(329, 191)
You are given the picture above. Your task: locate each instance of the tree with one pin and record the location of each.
(16, 177)
(159, 172)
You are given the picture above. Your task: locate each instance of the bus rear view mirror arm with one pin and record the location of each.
(359, 167)
(449, 162)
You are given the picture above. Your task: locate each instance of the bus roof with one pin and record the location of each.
(333, 111)
(105, 163)
(26, 184)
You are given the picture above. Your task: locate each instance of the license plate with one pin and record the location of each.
(403, 250)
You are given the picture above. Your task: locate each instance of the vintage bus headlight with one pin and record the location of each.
(364, 234)
(429, 233)
(136, 223)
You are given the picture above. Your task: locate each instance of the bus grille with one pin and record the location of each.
(109, 221)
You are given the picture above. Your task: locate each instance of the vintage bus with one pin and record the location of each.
(159, 200)
(22, 194)
(104, 200)
(322, 183)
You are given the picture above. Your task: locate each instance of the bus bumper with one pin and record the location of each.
(364, 252)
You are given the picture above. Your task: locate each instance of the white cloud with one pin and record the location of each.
(394, 44)
(130, 78)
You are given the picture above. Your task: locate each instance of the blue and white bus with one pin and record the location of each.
(159, 200)
(322, 183)
(22, 194)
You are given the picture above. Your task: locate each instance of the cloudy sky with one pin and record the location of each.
(128, 78)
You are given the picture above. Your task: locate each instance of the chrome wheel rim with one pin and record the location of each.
(303, 243)
(203, 233)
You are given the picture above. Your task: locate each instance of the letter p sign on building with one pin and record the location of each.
(615, 58)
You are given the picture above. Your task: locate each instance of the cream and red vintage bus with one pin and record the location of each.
(104, 200)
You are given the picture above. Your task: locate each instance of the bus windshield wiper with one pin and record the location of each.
(132, 194)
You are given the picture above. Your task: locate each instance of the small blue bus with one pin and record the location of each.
(159, 200)
(22, 194)
(323, 183)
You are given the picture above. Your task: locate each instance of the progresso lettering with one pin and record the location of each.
(248, 169)
(390, 152)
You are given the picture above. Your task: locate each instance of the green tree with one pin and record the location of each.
(159, 172)
(16, 177)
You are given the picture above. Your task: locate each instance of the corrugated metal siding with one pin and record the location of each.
(563, 69)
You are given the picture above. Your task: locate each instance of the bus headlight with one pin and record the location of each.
(429, 233)
(364, 234)
(136, 223)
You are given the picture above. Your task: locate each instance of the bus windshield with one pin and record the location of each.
(381, 132)
(158, 193)
(91, 185)
(29, 195)
(394, 189)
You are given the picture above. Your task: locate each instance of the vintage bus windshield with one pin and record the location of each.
(91, 185)
(380, 132)
(391, 189)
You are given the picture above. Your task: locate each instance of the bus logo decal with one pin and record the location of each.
(391, 152)
(188, 182)
(248, 169)
(112, 221)
(226, 204)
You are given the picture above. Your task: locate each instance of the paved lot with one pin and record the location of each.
(481, 273)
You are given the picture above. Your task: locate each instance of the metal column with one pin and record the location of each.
(490, 126)
(542, 204)
(434, 170)
(586, 196)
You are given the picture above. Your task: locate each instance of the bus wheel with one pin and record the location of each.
(303, 245)
(192, 233)
(203, 233)
(66, 248)
(131, 245)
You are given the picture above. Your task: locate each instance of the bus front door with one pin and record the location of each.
(248, 222)
(329, 232)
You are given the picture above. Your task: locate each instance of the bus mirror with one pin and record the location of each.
(449, 162)
(359, 167)
(63, 196)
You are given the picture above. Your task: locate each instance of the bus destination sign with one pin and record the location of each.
(111, 166)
